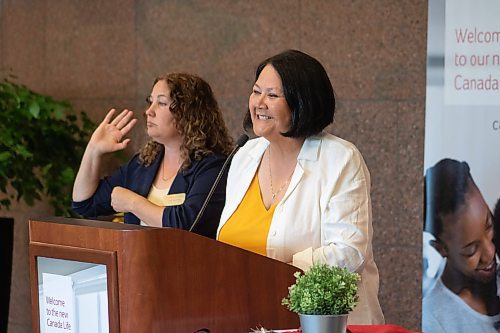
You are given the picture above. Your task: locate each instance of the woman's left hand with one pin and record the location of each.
(124, 200)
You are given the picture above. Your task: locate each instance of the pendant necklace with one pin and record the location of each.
(166, 179)
(275, 193)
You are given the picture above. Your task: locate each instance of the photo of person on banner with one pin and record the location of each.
(464, 297)
(496, 240)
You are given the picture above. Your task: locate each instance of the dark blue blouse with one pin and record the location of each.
(195, 182)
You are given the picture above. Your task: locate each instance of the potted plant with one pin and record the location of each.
(323, 298)
(41, 144)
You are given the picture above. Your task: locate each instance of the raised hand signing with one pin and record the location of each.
(108, 136)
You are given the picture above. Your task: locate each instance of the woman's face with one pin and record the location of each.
(160, 123)
(268, 107)
(469, 238)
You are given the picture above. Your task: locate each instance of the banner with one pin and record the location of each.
(72, 296)
(59, 304)
(462, 167)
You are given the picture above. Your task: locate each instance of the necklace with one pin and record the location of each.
(275, 193)
(171, 176)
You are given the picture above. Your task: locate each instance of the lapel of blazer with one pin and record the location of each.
(247, 167)
(250, 164)
(142, 185)
(308, 152)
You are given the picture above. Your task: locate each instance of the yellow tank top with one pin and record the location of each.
(249, 225)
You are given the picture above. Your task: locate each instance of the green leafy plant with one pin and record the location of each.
(41, 144)
(323, 290)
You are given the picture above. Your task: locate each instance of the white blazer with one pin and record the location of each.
(325, 215)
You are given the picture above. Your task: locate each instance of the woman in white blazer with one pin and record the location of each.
(297, 194)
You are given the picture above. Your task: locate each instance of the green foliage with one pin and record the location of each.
(323, 290)
(41, 143)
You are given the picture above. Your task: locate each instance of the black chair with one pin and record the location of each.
(6, 247)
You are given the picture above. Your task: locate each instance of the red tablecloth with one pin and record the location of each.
(377, 329)
(363, 329)
(360, 329)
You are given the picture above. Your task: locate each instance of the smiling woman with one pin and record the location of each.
(464, 298)
(296, 193)
(269, 110)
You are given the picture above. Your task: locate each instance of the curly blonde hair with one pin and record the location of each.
(197, 118)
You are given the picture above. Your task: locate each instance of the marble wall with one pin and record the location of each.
(101, 54)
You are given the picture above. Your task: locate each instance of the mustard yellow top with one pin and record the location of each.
(158, 197)
(249, 225)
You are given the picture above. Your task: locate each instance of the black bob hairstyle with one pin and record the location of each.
(307, 89)
(496, 226)
(446, 185)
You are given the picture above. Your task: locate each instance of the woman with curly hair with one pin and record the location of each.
(166, 183)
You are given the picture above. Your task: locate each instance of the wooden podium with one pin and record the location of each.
(168, 280)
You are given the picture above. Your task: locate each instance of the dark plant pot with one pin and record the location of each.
(6, 247)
